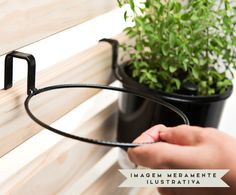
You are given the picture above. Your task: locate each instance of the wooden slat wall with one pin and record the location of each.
(25, 21)
(35, 162)
(91, 66)
(67, 167)
(64, 160)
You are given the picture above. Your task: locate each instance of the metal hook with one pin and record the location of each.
(115, 44)
(9, 70)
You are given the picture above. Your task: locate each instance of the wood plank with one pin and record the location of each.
(91, 66)
(46, 169)
(105, 185)
(80, 184)
(24, 22)
(108, 184)
(148, 191)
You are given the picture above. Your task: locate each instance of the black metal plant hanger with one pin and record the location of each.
(33, 91)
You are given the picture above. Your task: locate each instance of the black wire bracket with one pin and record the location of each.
(8, 73)
(32, 92)
(115, 51)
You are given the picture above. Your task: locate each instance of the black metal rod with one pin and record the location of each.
(89, 140)
(115, 52)
(31, 70)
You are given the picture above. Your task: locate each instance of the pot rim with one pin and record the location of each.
(129, 82)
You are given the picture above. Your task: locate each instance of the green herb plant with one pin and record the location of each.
(175, 43)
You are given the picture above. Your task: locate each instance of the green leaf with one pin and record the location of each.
(148, 28)
(227, 20)
(234, 41)
(234, 9)
(144, 64)
(216, 75)
(202, 62)
(177, 7)
(219, 84)
(227, 82)
(164, 65)
(139, 47)
(125, 16)
(195, 60)
(152, 78)
(177, 83)
(135, 73)
(172, 39)
(142, 78)
(210, 80)
(171, 5)
(160, 9)
(172, 69)
(164, 49)
(186, 49)
(218, 41)
(119, 3)
(169, 20)
(195, 73)
(147, 3)
(185, 66)
(139, 22)
(132, 5)
(227, 5)
(186, 16)
(195, 17)
(203, 84)
(211, 91)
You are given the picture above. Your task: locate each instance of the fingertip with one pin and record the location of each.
(154, 132)
(151, 135)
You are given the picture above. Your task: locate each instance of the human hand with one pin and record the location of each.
(188, 147)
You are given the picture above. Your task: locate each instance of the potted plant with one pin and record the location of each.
(183, 53)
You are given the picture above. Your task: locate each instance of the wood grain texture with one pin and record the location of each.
(103, 179)
(26, 21)
(80, 184)
(47, 168)
(90, 66)
(108, 184)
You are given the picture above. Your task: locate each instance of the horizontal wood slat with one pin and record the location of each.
(80, 184)
(91, 66)
(23, 22)
(46, 163)
(108, 184)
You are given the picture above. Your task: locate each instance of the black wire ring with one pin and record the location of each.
(94, 141)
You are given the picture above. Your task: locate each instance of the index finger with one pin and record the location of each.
(151, 135)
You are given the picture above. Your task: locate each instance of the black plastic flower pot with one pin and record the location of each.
(136, 116)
